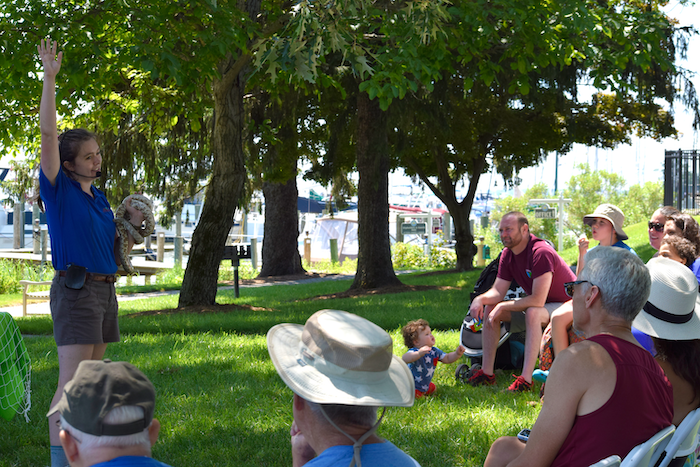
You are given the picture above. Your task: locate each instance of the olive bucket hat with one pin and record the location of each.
(613, 214)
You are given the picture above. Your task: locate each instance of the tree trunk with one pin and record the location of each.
(464, 240)
(280, 251)
(374, 267)
(222, 195)
(446, 191)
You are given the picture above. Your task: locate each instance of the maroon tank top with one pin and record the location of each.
(641, 405)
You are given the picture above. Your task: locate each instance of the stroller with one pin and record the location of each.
(508, 356)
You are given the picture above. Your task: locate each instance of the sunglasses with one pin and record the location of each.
(569, 287)
(659, 227)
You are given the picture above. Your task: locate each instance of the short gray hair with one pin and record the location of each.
(622, 278)
(117, 416)
(344, 415)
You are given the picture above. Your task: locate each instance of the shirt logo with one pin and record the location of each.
(529, 273)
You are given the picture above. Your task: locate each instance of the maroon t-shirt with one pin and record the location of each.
(641, 405)
(536, 259)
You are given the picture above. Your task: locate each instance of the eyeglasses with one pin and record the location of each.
(569, 287)
(659, 227)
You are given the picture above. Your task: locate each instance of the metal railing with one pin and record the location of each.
(681, 184)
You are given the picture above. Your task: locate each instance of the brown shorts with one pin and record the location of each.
(85, 316)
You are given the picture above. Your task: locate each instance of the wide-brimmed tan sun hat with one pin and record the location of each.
(340, 358)
(673, 309)
(611, 213)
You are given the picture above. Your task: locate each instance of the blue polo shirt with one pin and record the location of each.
(81, 227)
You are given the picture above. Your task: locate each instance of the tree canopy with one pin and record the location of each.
(163, 86)
(454, 89)
(590, 188)
(511, 93)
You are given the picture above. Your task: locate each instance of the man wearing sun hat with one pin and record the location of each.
(340, 367)
(107, 416)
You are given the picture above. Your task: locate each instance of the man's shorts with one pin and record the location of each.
(517, 318)
(85, 316)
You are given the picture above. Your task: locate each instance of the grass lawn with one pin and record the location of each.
(221, 402)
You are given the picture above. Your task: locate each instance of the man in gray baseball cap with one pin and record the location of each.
(107, 416)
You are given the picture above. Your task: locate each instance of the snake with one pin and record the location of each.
(126, 228)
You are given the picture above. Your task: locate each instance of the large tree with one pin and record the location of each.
(374, 267)
(511, 93)
(387, 48)
(493, 83)
(273, 143)
(135, 70)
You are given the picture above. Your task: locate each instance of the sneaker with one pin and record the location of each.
(540, 375)
(520, 385)
(480, 378)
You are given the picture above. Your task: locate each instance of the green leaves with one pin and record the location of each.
(590, 188)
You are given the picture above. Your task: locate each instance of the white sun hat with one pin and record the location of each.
(611, 213)
(340, 358)
(673, 309)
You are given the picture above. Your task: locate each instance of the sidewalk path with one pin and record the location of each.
(42, 308)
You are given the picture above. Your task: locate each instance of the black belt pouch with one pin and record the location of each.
(75, 277)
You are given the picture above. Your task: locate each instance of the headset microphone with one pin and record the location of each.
(98, 174)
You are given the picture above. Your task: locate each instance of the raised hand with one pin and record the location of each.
(50, 57)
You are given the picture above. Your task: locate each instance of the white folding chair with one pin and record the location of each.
(612, 461)
(684, 440)
(642, 455)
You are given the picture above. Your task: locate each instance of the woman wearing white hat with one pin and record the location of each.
(671, 317)
(677, 225)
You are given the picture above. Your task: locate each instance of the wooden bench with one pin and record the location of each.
(144, 268)
(42, 295)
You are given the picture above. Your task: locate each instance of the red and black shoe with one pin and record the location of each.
(480, 378)
(520, 385)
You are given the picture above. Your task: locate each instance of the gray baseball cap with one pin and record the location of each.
(100, 386)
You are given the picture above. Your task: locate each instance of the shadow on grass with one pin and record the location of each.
(221, 402)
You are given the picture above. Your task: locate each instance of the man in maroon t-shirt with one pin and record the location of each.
(541, 272)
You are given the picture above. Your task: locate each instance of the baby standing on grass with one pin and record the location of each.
(422, 357)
